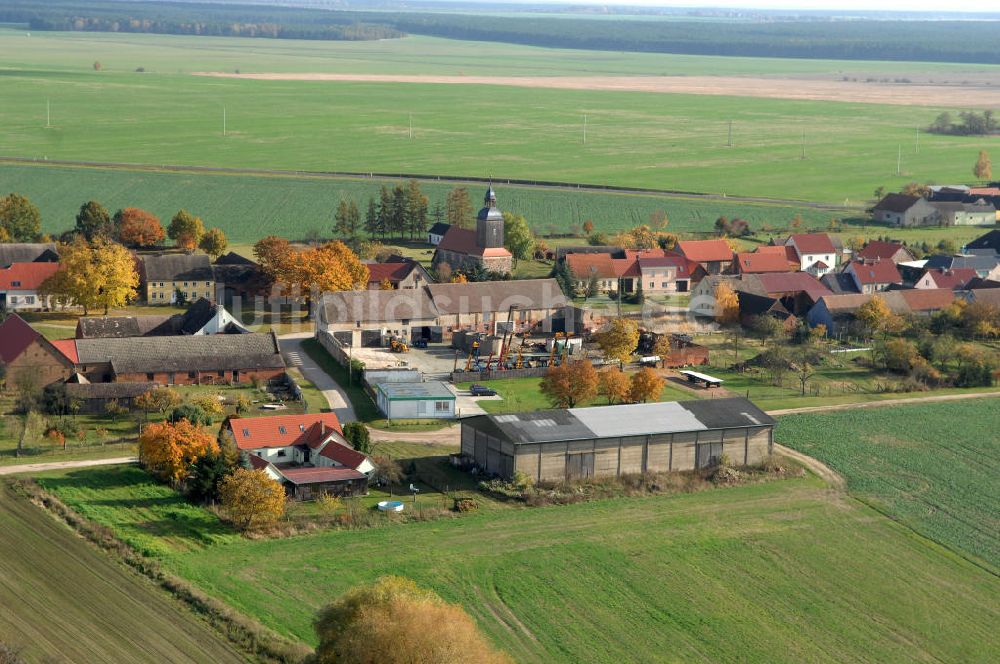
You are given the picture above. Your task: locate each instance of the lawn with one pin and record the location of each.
(931, 466)
(523, 394)
(675, 142)
(66, 601)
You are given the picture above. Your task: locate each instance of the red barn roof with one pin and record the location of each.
(881, 250)
(394, 272)
(320, 474)
(586, 265)
(953, 279)
(761, 262)
(15, 336)
(253, 433)
(68, 348)
(26, 276)
(463, 241)
(705, 251)
(793, 282)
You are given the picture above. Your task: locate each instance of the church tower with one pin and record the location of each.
(489, 223)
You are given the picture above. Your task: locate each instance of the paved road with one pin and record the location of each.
(295, 356)
(62, 465)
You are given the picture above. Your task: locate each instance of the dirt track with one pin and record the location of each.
(775, 88)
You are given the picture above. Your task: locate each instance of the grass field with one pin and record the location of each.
(720, 575)
(932, 466)
(661, 141)
(65, 601)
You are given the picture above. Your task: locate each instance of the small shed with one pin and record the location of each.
(429, 399)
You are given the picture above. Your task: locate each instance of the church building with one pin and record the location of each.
(464, 250)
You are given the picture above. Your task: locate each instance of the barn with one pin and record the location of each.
(577, 443)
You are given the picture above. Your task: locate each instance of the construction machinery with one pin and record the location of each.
(555, 347)
(398, 345)
(473, 355)
(519, 362)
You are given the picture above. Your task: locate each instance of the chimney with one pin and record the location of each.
(322, 427)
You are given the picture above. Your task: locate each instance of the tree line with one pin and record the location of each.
(195, 19)
(969, 123)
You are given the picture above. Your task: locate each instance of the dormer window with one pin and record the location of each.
(15, 284)
(246, 433)
(281, 430)
(302, 428)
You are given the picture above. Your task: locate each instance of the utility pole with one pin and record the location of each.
(899, 161)
(48, 114)
(223, 120)
(411, 125)
(802, 154)
(729, 143)
(916, 144)
(584, 128)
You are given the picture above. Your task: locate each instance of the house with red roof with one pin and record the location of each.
(600, 268)
(19, 284)
(401, 275)
(307, 454)
(953, 279)
(670, 273)
(714, 256)
(815, 252)
(879, 250)
(465, 250)
(871, 277)
(797, 291)
(762, 262)
(27, 355)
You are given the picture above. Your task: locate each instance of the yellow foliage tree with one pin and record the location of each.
(210, 405)
(727, 304)
(385, 284)
(98, 274)
(619, 340)
(252, 499)
(159, 399)
(876, 315)
(645, 385)
(274, 255)
(984, 167)
(459, 278)
(393, 621)
(570, 383)
(331, 267)
(213, 242)
(169, 450)
(613, 384)
(186, 229)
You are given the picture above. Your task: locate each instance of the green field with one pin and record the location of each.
(775, 572)
(932, 466)
(65, 601)
(248, 207)
(672, 142)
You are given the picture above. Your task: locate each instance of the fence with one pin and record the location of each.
(333, 347)
(493, 374)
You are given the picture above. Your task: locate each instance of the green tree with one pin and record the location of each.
(397, 218)
(358, 436)
(347, 219)
(93, 220)
(385, 211)
(517, 236)
(416, 209)
(213, 242)
(458, 208)
(186, 229)
(19, 218)
(372, 219)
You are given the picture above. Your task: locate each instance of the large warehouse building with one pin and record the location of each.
(616, 440)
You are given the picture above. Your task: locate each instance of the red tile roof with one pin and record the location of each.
(315, 475)
(26, 276)
(586, 265)
(679, 262)
(792, 282)
(927, 299)
(878, 249)
(257, 462)
(813, 243)
(68, 348)
(985, 191)
(463, 241)
(878, 272)
(768, 261)
(342, 454)
(626, 267)
(953, 279)
(705, 251)
(253, 433)
(394, 272)
(632, 254)
(15, 336)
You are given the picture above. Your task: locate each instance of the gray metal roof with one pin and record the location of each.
(431, 389)
(626, 420)
(182, 353)
(178, 267)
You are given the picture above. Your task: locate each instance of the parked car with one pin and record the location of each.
(482, 391)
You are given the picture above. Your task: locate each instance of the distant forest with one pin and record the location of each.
(178, 18)
(841, 39)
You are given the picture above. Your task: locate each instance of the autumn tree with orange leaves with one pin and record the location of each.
(252, 499)
(186, 229)
(645, 385)
(570, 383)
(331, 267)
(613, 384)
(169, 450)
(139, 228)
(273, 254)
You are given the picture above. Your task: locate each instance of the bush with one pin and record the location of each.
(358, 436)
(192, 413)
(466, 505)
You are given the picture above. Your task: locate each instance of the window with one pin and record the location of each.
(281, 453)
(652, 284)
(13, 299)
(192, 374)
(29, 299)
(282, 430)
(15, 284)
(220, 374)
(441, 406)
(185, 284)
(150, 376)
(302, 427)
(207, 284)
(664, 284)
(246, 433)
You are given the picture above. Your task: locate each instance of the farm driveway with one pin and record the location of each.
(295, 356)
(62, 465)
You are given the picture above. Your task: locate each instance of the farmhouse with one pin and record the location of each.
(19, 284)
(978, 213)
(985, 262)
(238, 277)
(415, 399)
(486, 306)
(593, 266)
(905, 211)
(307, 454)
(873, 276)
(941, 278)
(27, 252)
(181, 360)
(990, 242)
(665, 274)
(815, 252)
(714, 256)
(616, 440)
(760, 262)
(839, 312)
(27, 355)
(165, 274)
(368, 317)
(403, 274)
(462, 249)
(437, 232)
